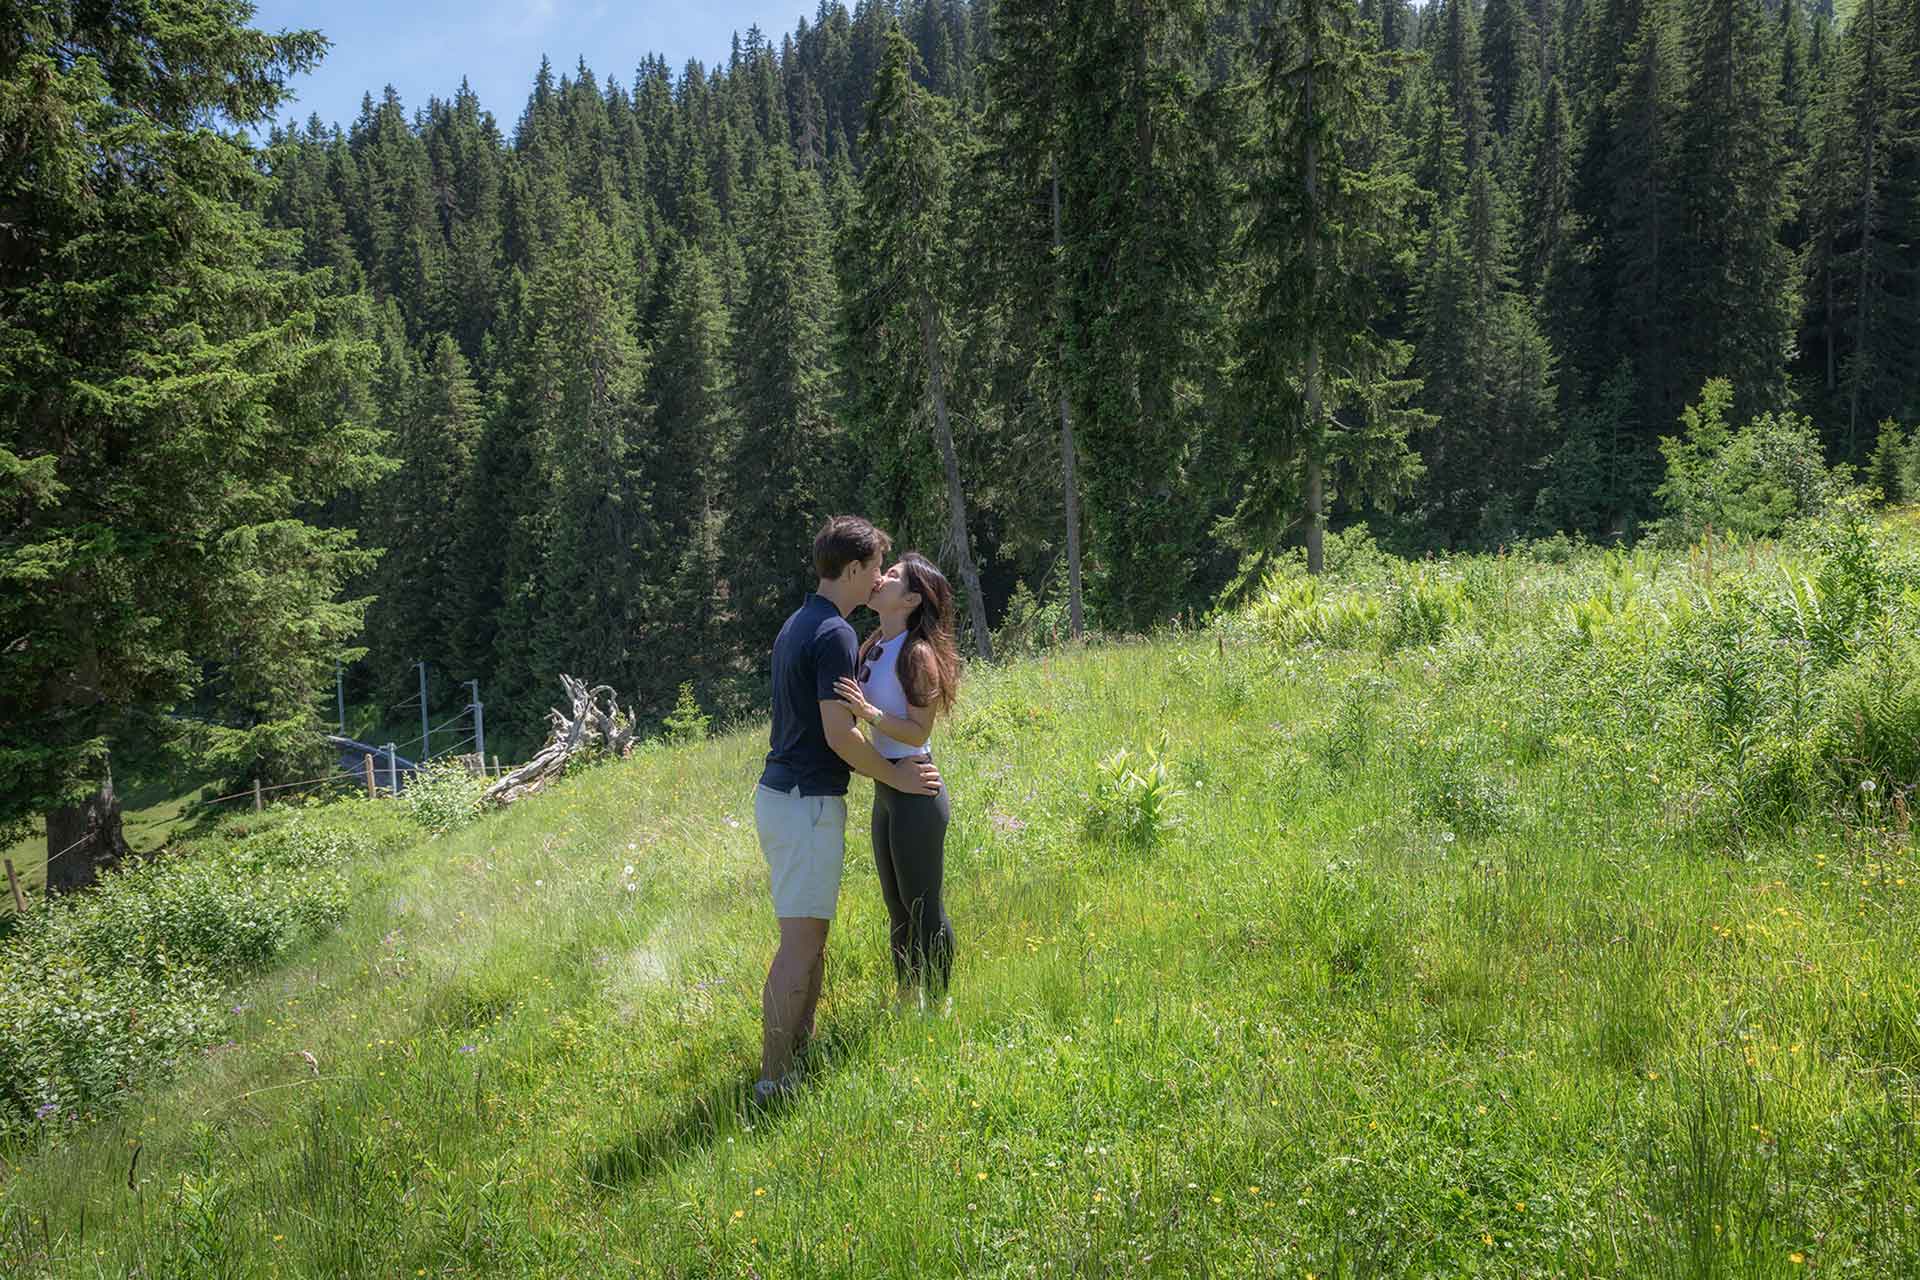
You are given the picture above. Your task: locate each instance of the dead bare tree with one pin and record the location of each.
(591, 728)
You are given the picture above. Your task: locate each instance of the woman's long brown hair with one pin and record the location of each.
(929, 628)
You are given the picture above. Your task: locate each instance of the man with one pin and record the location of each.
(800, 806)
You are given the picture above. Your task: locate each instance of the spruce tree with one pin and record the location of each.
(1510, 58)
(171, 413)
(1735, 285)
(695, 429)
(787, 471)
(1023, 254)
(1325, 394)
(899, 282)
(584, 556)
(1546, 205)
(1143, 228)
(1487, 379)
(1457, 66)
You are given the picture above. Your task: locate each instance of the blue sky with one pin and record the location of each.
(423, 47)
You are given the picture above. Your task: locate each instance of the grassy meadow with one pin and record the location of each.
(1545, 915)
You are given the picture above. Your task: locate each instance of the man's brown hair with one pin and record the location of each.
(845, 540)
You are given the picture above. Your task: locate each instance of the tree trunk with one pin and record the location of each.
(1833, 319)
(956, 495)
(83, 838)
(1068, 455)
(1871, 128)
(1316, 480)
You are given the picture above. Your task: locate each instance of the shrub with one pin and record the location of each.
(1873, 728)
(1292, 611)
(1030, 624)
(686, 723)
(1752, 481)
(1133, 797)
(100, 992)
(442, 797)
(1424, 606)
(1887, 471)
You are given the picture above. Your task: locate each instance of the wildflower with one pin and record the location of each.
(1446, 837)
(1867, 786)
(981, 1176)
(1797, 1258)
(46, 1109)
(466, 1048)
(629, 870)
(1486, 1238)
(759, 1191)
(739, 1214)
(538, 883)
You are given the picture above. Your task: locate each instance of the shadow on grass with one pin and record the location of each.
(725, 1105)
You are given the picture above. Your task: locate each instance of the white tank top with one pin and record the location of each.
(883, 689)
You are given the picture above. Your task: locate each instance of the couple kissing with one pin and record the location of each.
(826, 686)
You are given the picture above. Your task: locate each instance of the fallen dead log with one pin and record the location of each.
(591, 729)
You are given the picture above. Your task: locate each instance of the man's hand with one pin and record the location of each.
(916, 778)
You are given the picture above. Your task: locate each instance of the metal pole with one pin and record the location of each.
(393, 769)
(479, 726)
(426, 751)
(340, 692)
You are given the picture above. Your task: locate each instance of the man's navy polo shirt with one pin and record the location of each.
(815, 648)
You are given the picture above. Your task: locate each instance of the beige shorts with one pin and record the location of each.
(804, 840)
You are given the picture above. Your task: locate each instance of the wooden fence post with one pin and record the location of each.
(496, 768)
(370, 786)
(13, 883)
(257, 805)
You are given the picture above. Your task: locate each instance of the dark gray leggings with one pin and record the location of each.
(910, 852)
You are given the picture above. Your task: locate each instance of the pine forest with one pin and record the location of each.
(1102, 305)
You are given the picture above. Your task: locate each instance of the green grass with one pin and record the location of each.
(1430, 975)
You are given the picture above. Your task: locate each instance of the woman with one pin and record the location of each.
(909, 676)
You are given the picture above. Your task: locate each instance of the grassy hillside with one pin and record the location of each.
(1492, 918)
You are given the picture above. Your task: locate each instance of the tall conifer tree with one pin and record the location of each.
(172, 411)
(900, 285)
(1325, 393)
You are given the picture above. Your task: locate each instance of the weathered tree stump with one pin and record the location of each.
(592, 728)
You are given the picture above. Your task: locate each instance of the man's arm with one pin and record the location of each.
(844, 736)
